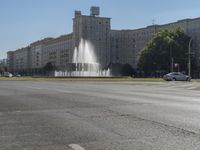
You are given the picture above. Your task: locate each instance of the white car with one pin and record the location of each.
(7, 74)
(176, 76)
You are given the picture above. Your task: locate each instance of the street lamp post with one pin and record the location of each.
(172, 64)
(189, 59)
(171, 58)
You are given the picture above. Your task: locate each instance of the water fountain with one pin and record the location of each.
(85, 60)
(85, 63)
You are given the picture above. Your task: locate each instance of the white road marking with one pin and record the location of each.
(18, 111)
(186, 86)
(38, 88)
(76, 147)
(173, 86)
(191, 88)
(57, 90)
(64, 91)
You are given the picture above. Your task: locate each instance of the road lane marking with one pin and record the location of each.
(38, 88)
(64, 91)
(185, 85)
(191, 88)
(57, 90)
(76, 147)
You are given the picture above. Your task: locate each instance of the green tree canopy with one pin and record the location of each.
(2, 69)
(165, 45)
(49, 67)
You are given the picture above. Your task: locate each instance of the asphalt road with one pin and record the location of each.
(37, 115)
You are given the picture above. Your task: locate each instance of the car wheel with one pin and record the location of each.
(174, 79)
(188, 79)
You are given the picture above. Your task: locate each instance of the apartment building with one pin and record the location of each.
(58, 51)
(111, 46)
(96, 30)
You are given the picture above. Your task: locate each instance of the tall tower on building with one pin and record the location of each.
(94, 11)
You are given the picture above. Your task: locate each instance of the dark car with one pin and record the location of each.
(176, 76)
(18, 75)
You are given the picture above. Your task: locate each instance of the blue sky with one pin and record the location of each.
(25, 21)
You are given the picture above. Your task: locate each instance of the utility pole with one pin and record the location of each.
(171, 60)
(172, 64)
(189, 59)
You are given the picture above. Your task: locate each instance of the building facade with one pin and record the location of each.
(58, 52)
(111, 46)
(96, 30)
(19, 60)
(126, 45)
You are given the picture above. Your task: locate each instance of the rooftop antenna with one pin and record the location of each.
(154, 22)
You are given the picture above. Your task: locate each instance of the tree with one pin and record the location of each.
(49, 67)
(2, 69)
(158, 53)
(118, 69)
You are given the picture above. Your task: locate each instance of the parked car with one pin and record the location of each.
(17, 75)
(176, 76)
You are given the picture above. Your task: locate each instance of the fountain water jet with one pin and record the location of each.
(85, 63)
(85, 60)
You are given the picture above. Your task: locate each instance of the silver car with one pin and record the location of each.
(176, 76)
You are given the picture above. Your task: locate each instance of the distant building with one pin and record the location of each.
(19, 60)
(111, 46)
